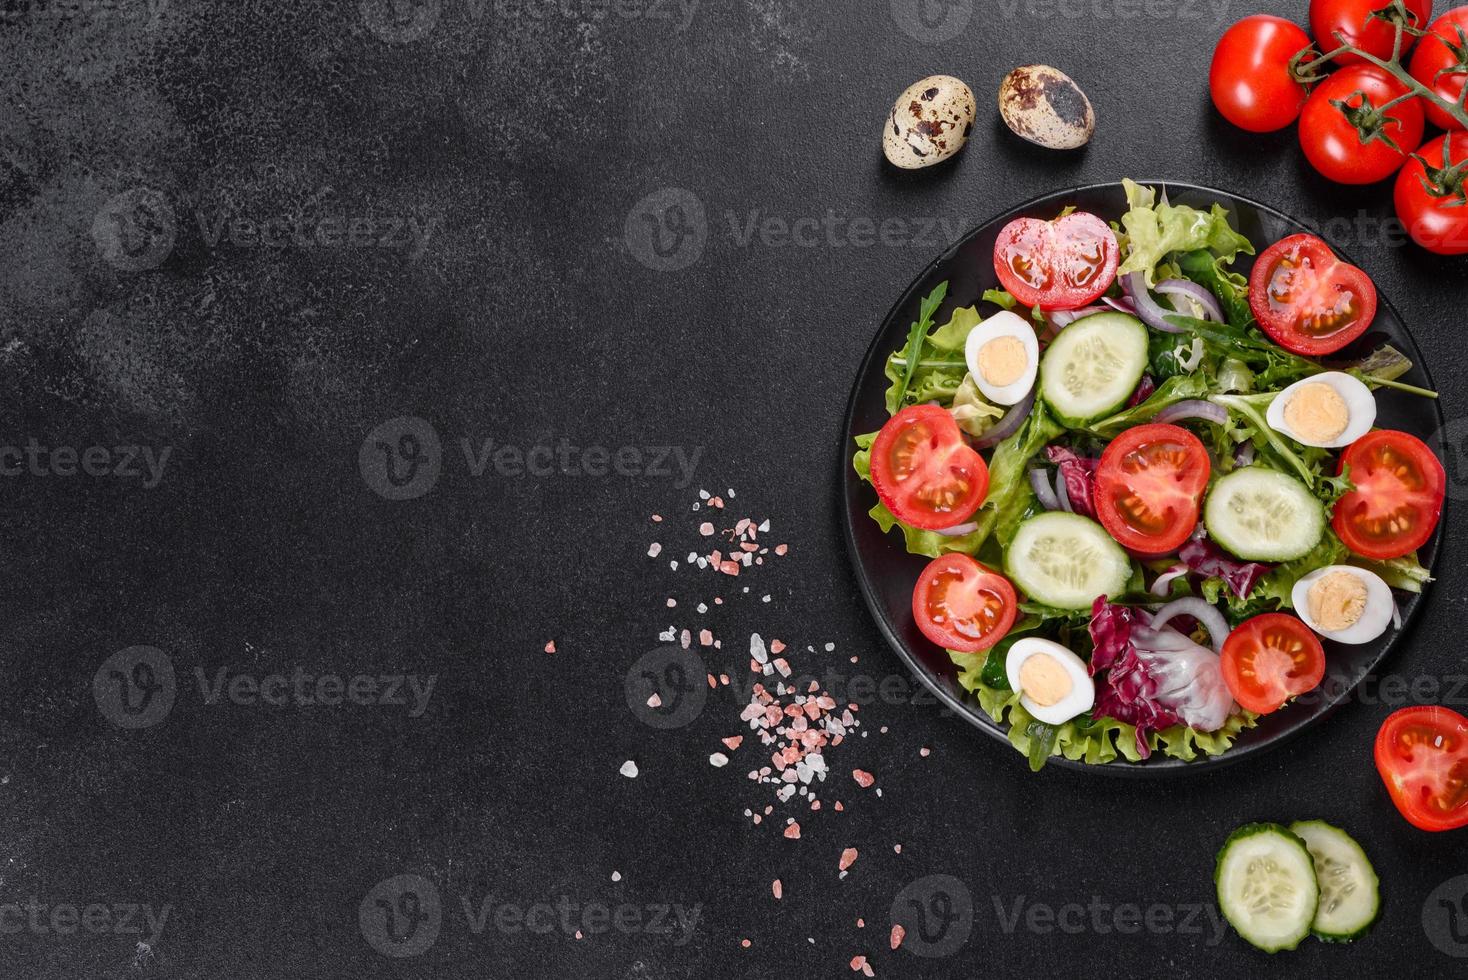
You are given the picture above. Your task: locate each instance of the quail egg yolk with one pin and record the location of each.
(1002, 361)
(1317, 413)
(1337, 601)
(1044, 679)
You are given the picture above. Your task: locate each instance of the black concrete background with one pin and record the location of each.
(532, 141)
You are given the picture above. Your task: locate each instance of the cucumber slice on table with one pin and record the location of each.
(1066, 560)
(1266, 886)
(1261, 514)
(1092, 367)
(1350, 897)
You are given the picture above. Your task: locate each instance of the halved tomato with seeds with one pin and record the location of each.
(1307, 300)
(1398, 496)
(1270, 659)
(961, 605)
(924, 471)
(1149, 486)
(1422, 756)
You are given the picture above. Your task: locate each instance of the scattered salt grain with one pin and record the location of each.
(629, 769)
(779, 890)
(706, 529)
(863, 778)
(925, 751)
(793, 831)
(718, 760)
(616, 876)
(654, 700)
(657, 518)
(672, 603)
(654, 549)
(898, 934)
(848, 858)
(550, 647)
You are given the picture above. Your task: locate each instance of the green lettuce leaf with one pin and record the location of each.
(918, 542)
(1175, 389)
(1010, 495)
(902, 374)
(1405, 573)
(1154, 231)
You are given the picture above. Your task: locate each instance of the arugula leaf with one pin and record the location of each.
(1042, 743)
(1231, 288)
(897, 393)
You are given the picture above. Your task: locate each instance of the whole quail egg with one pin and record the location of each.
(1045, 106)
(929, 123)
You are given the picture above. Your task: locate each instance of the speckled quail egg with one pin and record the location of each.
(1328, 410)
(1003, 356)
(1053, 683)
(1344, 603)
(929, 123)
(1045, 106)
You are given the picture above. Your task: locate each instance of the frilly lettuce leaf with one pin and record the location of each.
(1095, 741)
(1154, 231)
(971, 410)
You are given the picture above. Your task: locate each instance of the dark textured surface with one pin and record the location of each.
(534, 312)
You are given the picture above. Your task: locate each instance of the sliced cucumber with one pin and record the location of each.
(1263, 515)
(1266, 886)
(1350, 897)
(1066, 560)
(1093, 366)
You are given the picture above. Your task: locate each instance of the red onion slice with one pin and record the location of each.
(1122, 305)
(1164, 581)
(959, 530)
(1244, 455)
(1064, 318)
(1182, 287)
(1194, 408)
(1151, 313)
(1062, 494)
(1008, 425)
(1040, 483)
(1208, 615)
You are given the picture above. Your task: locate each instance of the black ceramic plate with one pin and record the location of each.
(887, 572)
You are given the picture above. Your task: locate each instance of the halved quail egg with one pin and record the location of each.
(1344, 603)
(1327, 410)
(1003, 357)
(1053, 684)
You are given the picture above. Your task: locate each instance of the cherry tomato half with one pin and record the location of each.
(1270, 659)
(961, 605)
(1433, 56)
(1332, 142)
(1060, 265)
(1353, 21)
(925, 472)
(1250, 78)
(1398, 495)
(1422, 756)
(1149, 485)
(1434, 222)
(1307, 300)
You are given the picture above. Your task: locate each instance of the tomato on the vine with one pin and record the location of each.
(1331, 133)
(1437, 218)
(1438, 63)
(1353, 21)
(1250, 76)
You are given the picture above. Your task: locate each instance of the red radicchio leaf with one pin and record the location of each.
(1145, 387)
(1079, 474)
(1129, 691)
(1206, 558)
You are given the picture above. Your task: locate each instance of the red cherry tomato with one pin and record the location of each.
(1352, 20)
(1059, 265)
(1270, 659)
(1434, 222)
(925, 472)
(1149, 485)
(1307, 300)
(1250, 78)
(1332, 143)
(1422, 756)
(961, 605)
(1433, 56)
(1398, 495)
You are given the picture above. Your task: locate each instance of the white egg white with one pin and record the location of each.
(1004, 324)
(1375, 618)
(1360, 409)
(1083, 690)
